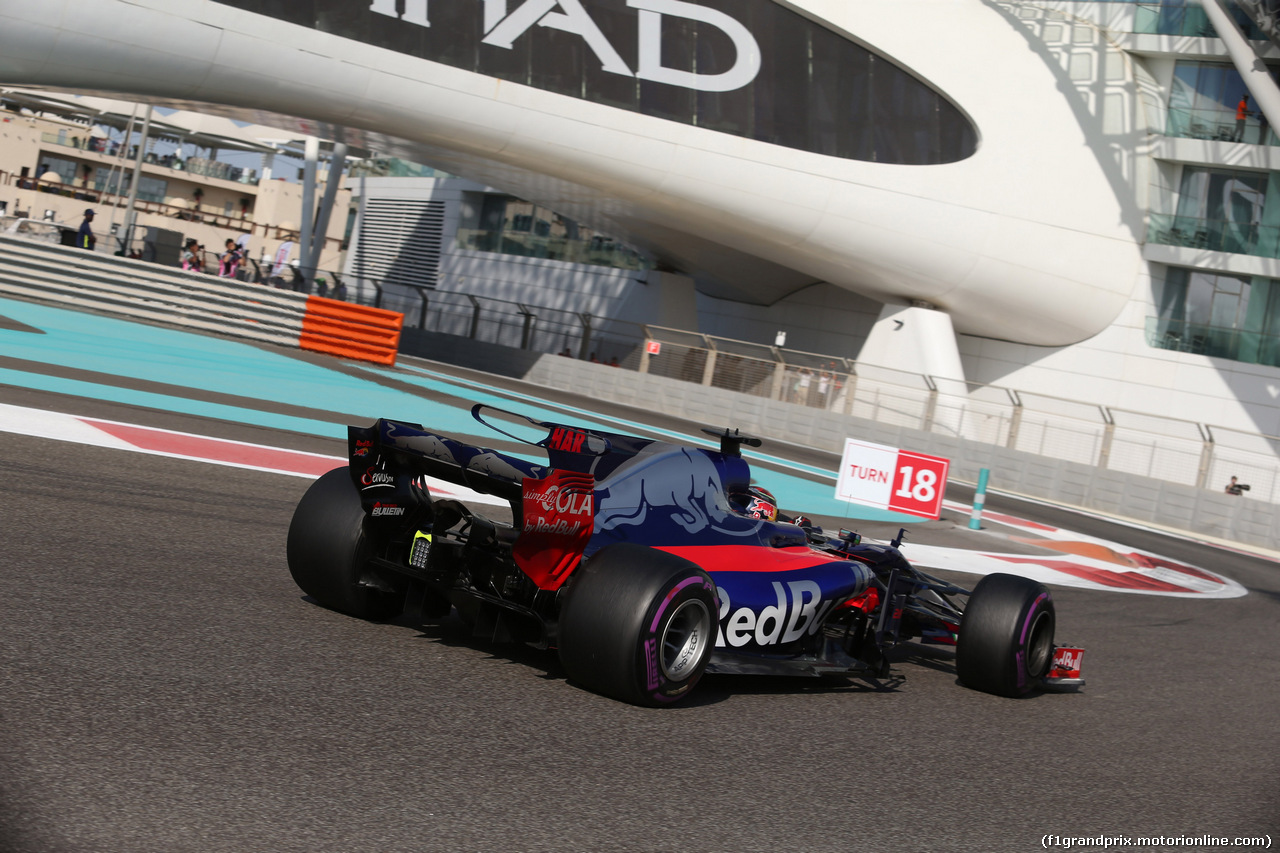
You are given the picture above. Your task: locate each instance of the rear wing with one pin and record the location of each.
(576, 449)
(479, 468)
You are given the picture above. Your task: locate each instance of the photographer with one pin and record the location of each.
(1234, 488)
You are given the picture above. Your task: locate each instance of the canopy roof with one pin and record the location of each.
(179, 126)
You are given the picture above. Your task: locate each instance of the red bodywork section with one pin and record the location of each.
(750, 558)
(559, 515)
(1066, 663)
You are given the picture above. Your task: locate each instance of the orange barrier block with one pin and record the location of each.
(351, 331)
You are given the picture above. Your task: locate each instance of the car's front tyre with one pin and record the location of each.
(1005, 642)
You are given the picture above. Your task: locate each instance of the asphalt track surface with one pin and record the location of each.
(164, 686)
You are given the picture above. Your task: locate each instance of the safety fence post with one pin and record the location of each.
(1015, 419)
(475, 316)
(1108, 436)
(584, 350)
(1206, 456)
(646, 351)
(779, 374)
(931, 407)
(526, 331)
(709, 368)
(850, 386)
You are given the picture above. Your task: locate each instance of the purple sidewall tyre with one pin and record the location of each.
(1005, 643)
(637, 624)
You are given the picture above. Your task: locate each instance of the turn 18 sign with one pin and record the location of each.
(889, 478)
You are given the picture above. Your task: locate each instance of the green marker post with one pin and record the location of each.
(979, 498)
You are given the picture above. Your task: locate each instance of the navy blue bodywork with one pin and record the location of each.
(790, 600)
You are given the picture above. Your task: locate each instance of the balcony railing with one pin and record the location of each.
(1217, 341)
(94, 195)
(1215, 235)
(193, 165)
(1218, 124)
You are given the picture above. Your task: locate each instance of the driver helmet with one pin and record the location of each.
(756, 502)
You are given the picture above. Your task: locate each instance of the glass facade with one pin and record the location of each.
(1223, 210)
(67, 170)
(118, 181)
(1218, 314)
(1187, 18)
(392, 167)
(750, 68)
(1204, 101)
(511, 226)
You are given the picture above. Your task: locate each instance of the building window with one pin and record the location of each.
(1222, 195)
(109, 180)
(119, 181)
(1203, 105)
(1223, 210)
(512, 226)
(1216, 314)
(64, 169)
(1187, 18)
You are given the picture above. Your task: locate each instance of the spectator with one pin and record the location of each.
(193, 256)
(84, 237)
(230, 260)
(1242, 115)
(246, 259)
(802, 386)
(297, 281)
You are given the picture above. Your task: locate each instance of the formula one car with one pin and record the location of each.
(634, 559)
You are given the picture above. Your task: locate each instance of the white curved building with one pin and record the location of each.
(1055, 190)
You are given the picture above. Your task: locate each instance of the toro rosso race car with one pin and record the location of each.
(644, 564)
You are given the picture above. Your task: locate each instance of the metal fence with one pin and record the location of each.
(504, 322)
(1150, 445)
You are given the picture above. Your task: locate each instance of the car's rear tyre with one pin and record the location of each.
(327, 550)
(1005, 643)
(638, 624)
